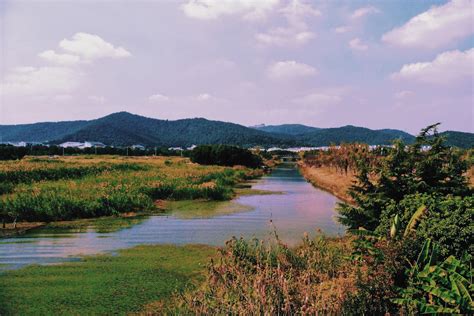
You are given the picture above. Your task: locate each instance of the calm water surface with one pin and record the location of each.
(296, 208)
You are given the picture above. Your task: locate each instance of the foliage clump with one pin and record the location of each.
(427, 166)
(224, 155)
(253, 277)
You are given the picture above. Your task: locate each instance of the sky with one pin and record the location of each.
(378, 64)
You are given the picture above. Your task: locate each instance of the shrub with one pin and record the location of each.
(448, 220)
(427, 166)
(437, 287)
(224, 155)
(253, 278)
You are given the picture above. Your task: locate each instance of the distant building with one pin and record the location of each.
(138, 146)
(71, 145)
(192, 147)
(93, 144)
(83, 145)
(175, 149)
(18, 144)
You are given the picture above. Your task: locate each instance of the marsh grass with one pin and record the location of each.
(87, 187)
(100, 225)
(203, 209)
(256, 278)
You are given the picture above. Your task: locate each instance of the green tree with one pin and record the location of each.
(426, 166)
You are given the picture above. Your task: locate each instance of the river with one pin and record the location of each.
(295, 208)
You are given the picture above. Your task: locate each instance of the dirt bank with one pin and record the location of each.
(329, 180)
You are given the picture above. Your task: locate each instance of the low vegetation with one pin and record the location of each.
(85, 187)
(104, 284)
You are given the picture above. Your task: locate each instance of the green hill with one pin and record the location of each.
(287, 129)
(350, 134)
(39, 132)
(459, 139)
(123, 128)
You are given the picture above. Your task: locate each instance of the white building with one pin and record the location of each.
(83, 145)
(175, 148)
(138, 146)
(71, 145)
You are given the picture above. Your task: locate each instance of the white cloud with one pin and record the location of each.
(297, 9)
(361, 12)
(447, 67)
(297, 32)
(60, 59)
(213, 9)
(403, 94)
(341, 29)
(97, 99)
(290, 69)
(63, 77)
(62, 97)
(283, 36)
(40, 81)
(436, 27)
(204, 97)
(318, 99)
(91, 47)
(158, 98)
(357, 44)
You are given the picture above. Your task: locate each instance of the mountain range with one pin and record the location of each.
(123, 128)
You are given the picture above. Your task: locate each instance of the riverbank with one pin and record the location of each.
(180, 209)
(328, 179)
(41, 190)
(104, 284)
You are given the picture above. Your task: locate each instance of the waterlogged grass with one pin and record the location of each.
(104, 284)
(207, 209)
(249, 191)
(115, 185)
(204, 209)
(100, 225)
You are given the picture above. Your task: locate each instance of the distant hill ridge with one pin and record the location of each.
(123, 128)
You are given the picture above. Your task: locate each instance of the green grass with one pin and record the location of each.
(204, 209)
(85, 188)
(103, 284)
(101, 225)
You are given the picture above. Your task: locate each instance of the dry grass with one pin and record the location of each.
(329, 179)
(253, 278)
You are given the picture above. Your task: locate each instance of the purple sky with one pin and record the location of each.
(379, 64)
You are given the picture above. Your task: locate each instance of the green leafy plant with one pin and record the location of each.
(437, 287)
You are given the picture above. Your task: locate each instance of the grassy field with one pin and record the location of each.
(104, 284)
(66, 188)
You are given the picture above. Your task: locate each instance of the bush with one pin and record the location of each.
(8, 152)
(253, 278)
(224, 155)
(405, 170)
(448, 220)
